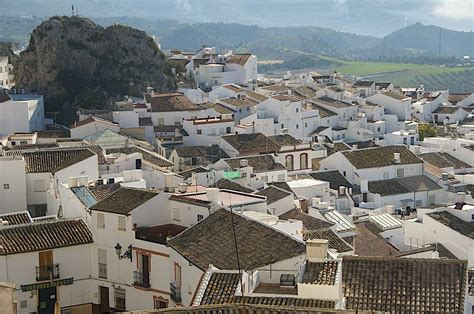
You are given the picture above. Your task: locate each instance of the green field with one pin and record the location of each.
(456, 79)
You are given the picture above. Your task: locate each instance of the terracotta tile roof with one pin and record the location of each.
(285, 140)
(17, 218)
(188, 173)
(251, 142)
(92, 119)
(158, 234)
(239, 102)
(28, 147)
(334, 177)
(333, 148)
(232, 185)
(222, 286)
(54, 134)
(323, 112)
(151, 158)
(387, 187)
(211, 241)
(43, 236)
(240, 59)
(395, 95)
(380, 156)
(284, 97)
(305, 91)
(446, 109)
(124, 200)
(260, 163)
(282, 185)
(436, 159)
(458, 164)
(213, 152)
(172, 102)
(233, 87)
(273, 194)
(455, 98)
(277, 88)
(101, 192)
(368, 242)
(335, 242)
(4, 97)
(309, 222)
(54, 160)
(418, 183)
(332, 102)
(322, 273)
(363, 83)
(256, 96)
(463, 227)
(404, 285)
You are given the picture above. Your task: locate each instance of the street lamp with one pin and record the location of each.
(126, 254)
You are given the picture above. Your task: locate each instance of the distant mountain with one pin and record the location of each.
(432, 40)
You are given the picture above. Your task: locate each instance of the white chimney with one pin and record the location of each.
(244, 163)
(355, 146)
(445, 177)
(73, 182)
(396, 158)
(364, 186)
(316, 249)
(182, 187)
(169, 181)
(342, 190)
(212, 195)
(82, 181)
(460, 197)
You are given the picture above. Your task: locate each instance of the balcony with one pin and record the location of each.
(175, 292)
(47, 272)
(141, 279)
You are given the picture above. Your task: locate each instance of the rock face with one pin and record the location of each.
(75, 63)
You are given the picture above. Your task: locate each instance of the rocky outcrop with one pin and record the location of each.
(75, 63)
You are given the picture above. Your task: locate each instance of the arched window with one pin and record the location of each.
(304, 161)
(289, 162)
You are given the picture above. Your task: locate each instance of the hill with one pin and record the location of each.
(431, 40)
(75, 63)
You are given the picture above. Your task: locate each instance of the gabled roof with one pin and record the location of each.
(273, 194)
(101, 192)
(323, 112)
(332, 102)
(285, 140)
(446, 109)
(404, 285)
(171, 102)
(333, 148)
(240, 58)
(188, 173)
(403, 185)
(232, 185)
(213, 152)
(93, 119)
(239, 102)
(251, 142)
(222, 287)
(320, 273)
(16, 218)
(124, 200)
(152, 158)
(457, 224)
(309, 222)
(363, 83)
(380, 156)
(211, 241)
(54, 160)
(395, 95)
(259, 163)
(335, 242)
(106, 137)
(43, 236)
(334, 177)
(458, 164)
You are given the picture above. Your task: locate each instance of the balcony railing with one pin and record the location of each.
(141, 279)
(47, 272)
(175, 292)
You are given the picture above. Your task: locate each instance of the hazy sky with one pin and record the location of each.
(375, 17)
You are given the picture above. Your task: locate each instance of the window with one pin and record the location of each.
(199, 131)
(122, 223)
(111, 180)
(472, 217)
(102, 258)
(297, 110)
(6, 186)
(240, 110)
(304, 161)
(378, 129)
(228, 130)
(39, 186)
(297, 126)
(282, 126)
(289, 162)
(13, 143)
(119, 297)
(344, 174)
(160, 303)
(400, 172)
(306, 124)
(23, 142)
(138, 164)
(176, 215)
(248, 109)
(200, 217)
(100, 221)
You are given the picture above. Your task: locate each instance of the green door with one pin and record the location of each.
(46, 300)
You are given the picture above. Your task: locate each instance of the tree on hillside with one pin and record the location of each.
(427, 130)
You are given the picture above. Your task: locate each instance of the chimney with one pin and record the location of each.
(445, 177)
(169, 182)
(355, 146)
(213, 197)
(460, 198)
(316, 250)
(342, 190)
(304, 205)
(244, 163)
(396, 158)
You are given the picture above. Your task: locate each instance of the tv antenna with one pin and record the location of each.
(72, 9)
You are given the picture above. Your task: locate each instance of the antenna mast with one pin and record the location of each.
(72, 9)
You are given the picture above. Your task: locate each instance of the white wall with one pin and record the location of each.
(12, 185)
